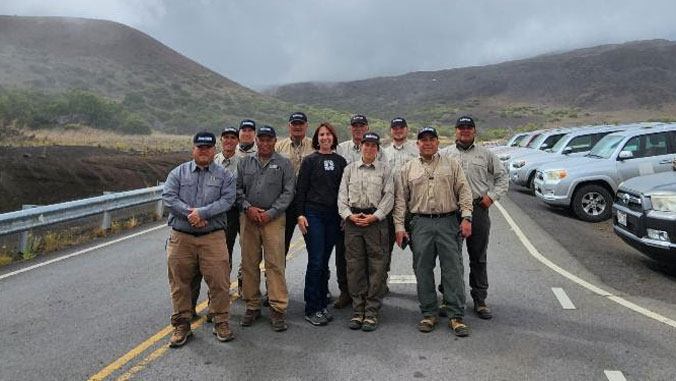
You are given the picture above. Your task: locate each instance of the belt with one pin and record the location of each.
(197, 234)
(364, 211)
(440, 215)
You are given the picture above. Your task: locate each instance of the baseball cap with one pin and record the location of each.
(298, 117)
(464, 121)
(266, 130)
(204, 138)
(428, 130)
(359, 119)
(230, 130)
(371, 137)
(398, 121)
(247, 123)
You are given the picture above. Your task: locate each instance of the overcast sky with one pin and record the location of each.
(261, 42)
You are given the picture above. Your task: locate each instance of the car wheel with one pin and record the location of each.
(592, 203)
(531, 183)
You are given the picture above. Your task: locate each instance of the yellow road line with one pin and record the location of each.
(126, 358)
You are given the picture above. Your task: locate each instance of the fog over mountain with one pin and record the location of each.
(258, 43)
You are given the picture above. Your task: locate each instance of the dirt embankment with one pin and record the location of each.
(48, 175)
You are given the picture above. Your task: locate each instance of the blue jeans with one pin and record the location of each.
(323, 230)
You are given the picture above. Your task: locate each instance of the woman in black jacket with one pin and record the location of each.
(318, 219)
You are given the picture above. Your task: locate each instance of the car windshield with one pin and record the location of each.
(516, 140)
(558, 147)
(605, 147)
(550, 141)
(530, 142)
(528, 138)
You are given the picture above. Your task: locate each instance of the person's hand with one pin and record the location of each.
(465, 229)
(263, 218)
(400, 237)
(368, 220)
(252, 214)
(302, 224)
(486, 202)
(355, 218)
(201, 224)
(193, 217)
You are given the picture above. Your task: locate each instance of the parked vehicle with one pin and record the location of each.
(514, 140)
(577, 142)
(588, 184)
(545, 140)
(644, 214)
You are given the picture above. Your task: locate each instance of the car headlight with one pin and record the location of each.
(518, 163)
(504, 157)
(664, 202)
(556, 174)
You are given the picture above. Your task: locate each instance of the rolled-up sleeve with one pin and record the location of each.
(284, 200)
(170, 194)
(343, 195)
(224, 202)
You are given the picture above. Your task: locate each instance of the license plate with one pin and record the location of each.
(622, 218)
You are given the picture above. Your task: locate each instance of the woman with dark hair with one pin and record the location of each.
(318, 219)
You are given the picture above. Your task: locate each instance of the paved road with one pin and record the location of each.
(103, 313)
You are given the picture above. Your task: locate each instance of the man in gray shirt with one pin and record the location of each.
(265, 187)
(198, 193)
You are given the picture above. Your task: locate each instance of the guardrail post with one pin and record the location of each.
(105, 223)
(159, 207)
(23, 236)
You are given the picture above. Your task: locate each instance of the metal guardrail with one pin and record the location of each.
(24, 220)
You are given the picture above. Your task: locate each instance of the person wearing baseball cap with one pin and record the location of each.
(197, 217)
(247, 133)
(295, 148)
(265, 187)
(350, 150)
(365, 199)
(434, 190)
(488, 181)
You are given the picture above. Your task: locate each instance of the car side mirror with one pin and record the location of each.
(624, 155)
(567, 150)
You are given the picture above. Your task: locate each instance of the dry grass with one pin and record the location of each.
(76, 135)
(131, 223)
(5, 260)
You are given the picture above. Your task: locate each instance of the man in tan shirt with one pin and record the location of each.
(295, 148)
(365, 199)
(433, 188)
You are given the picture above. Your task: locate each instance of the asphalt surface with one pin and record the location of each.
(74, 318)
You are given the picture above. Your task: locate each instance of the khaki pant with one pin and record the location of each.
(367, 254)
(186, 256)
(258, 243)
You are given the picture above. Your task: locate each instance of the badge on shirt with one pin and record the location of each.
(274, 166)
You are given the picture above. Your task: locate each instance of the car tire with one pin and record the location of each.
(592, 203)
(531, 184)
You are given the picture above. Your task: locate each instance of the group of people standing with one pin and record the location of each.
(354, 196)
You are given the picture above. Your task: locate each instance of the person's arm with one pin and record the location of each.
(463, 192)
(387, 200)
(303, 184)
(284, 200)
(500, 177)
(401, 196)
(170, 195)
(343, 199)
(241, 202)
(224, 202)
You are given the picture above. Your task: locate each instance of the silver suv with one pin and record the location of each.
(578, 142)
(587, 184)
(545, 140)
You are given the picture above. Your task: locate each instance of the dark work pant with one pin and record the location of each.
(323, 228)
(291, 222)
(477, 247)
(341, 263)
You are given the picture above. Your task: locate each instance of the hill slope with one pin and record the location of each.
(174, 93)
(630, 80)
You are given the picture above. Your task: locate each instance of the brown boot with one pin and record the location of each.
(343, 301)
(278, 321)
(223, 332)
(249, 317)
(181, 334)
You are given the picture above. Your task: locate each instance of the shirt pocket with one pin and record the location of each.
(374, 184)
(188, 191)
(212, 190)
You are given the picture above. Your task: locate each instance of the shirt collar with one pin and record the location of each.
(435, 157)
(460, 147)
(401, 147)
(194, 167)
(360, 163)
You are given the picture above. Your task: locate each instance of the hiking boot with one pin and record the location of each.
(181, 334)
(427, 324)
(443, 309)
(249, 317)
(459, 327)
(356, 322)
(343, 301)
(482, 310)
(327, 314)
(278, 321)
(223, 332)
(370, 324)
(317, 318)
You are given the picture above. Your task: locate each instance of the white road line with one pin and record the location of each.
(75, 254)
(614, 375)
(597, 290)
(401, 279)
(563, 298)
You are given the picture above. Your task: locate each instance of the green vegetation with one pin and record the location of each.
(663, 119)
(520, 111)
(44, 110)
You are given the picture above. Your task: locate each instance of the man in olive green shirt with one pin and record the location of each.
(433, 188)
